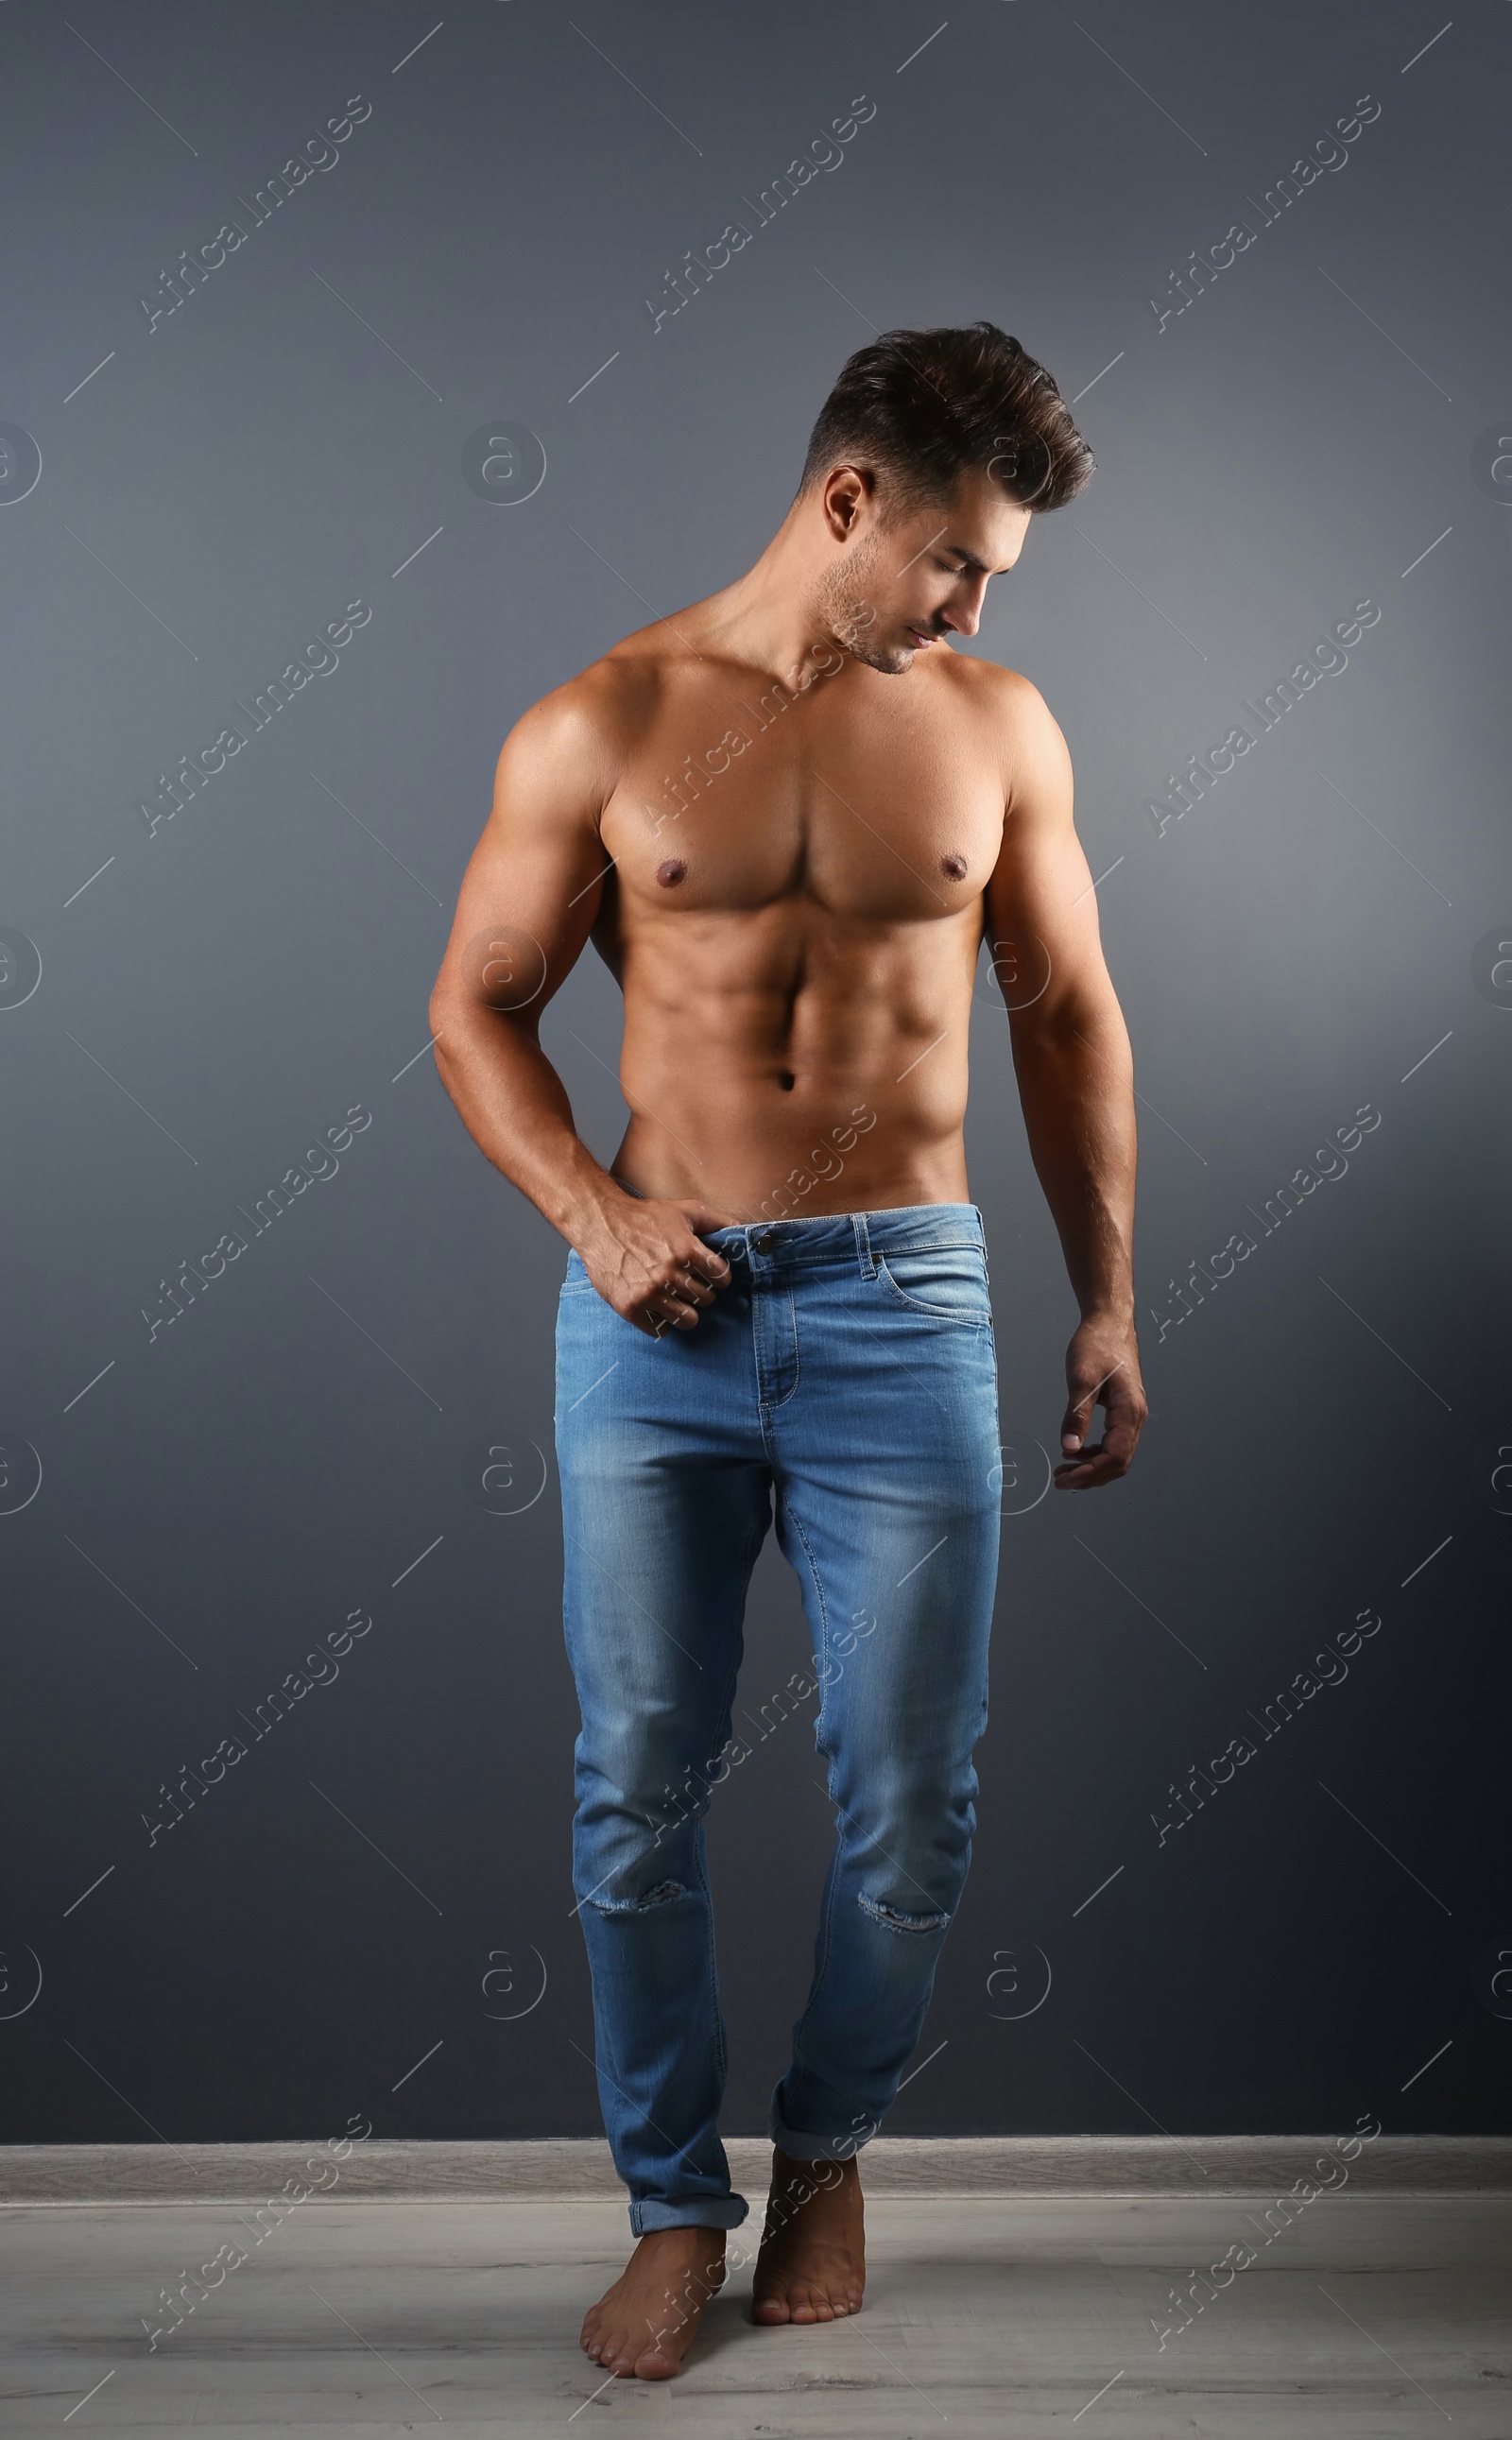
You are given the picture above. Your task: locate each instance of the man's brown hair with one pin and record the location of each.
(921, 407)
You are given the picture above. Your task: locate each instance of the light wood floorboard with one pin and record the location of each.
(1373, 2315)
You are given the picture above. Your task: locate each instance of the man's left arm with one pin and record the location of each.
(1075, 1076)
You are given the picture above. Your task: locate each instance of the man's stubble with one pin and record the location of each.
(846, 607)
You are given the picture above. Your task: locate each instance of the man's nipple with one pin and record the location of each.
(670, 874)
(953, 867)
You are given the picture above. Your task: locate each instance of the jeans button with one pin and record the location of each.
(765, 1244)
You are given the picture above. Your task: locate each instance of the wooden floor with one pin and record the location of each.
(1374, 2316)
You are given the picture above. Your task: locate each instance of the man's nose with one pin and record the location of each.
(964, 613)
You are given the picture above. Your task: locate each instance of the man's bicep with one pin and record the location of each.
(533, 883)
(1040, 905)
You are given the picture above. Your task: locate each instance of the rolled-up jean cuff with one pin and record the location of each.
(800, 2146)
(710, 2213)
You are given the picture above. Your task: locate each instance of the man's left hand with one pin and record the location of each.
(1102, 1370)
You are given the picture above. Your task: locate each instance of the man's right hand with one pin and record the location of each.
(647, 1261)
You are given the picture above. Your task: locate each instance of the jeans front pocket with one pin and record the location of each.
(942, 1283)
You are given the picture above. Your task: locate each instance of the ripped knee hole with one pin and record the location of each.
(896, 1920)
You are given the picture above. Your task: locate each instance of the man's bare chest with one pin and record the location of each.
(740, 800)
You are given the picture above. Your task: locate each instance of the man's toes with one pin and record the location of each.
(617, 2346)
(652, 2365)
(806, 2304)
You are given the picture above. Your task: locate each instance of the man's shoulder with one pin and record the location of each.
(1017, 713)
(611, 703)
(999, 688)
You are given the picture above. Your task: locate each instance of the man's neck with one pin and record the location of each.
(770, 618)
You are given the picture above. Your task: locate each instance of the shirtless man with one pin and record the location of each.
(788, 818)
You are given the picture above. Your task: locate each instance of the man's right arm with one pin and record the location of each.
(528, 904)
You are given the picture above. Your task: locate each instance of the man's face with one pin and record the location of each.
(895, 591)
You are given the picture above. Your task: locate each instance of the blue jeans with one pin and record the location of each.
(848, 1367)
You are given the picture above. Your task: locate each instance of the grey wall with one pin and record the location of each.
(382, 1879)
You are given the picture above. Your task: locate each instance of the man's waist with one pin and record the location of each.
(840, 1236)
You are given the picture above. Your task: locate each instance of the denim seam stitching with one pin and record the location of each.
(700, 1855)
(878, 1212)
(797, 1523)
(822, 1962)
(846, 1261)
(753, 1546)
(701, 1868)
(773, 1406)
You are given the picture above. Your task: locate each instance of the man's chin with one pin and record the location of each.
(893, 663)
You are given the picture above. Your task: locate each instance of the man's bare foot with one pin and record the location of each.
(811, 2262)
(645, 2324)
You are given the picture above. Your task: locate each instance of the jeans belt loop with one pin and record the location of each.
(863, 1245)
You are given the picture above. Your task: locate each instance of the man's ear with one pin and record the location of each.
(847, 488)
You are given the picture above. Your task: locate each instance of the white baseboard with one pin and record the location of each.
(561, 2169)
